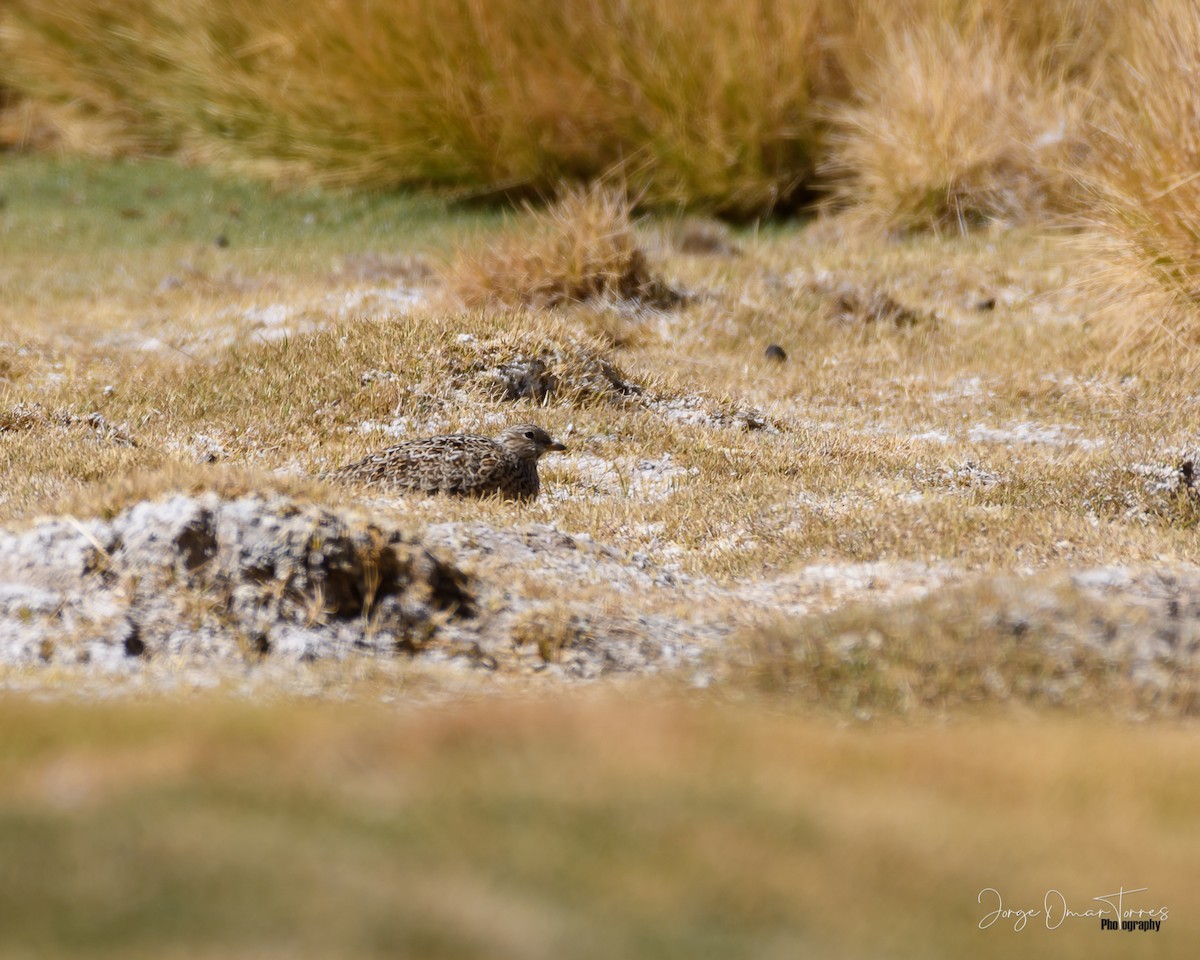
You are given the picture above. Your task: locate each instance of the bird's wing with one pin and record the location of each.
(454, 464)
(491, 466)
(394, 465)
(472, 467)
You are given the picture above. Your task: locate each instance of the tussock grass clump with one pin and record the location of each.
(716, 109)
(111, 67)
(1145, 188)
(946, 111)
(953, 129)
(582, 248)
(709, 110)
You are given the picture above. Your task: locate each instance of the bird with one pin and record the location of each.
(461, 464)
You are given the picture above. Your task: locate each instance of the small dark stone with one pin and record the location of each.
(222, 241)
(775, 352)
(986, 304)
(196, 542)
(135, 646)
(1187, 482)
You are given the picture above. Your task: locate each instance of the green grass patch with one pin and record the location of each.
(73, 206)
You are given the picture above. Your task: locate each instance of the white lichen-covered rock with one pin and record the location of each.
(198, 577)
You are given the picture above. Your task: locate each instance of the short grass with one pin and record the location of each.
(575, 828)
(272, 348)
(985, 433)
(149, 248)
(69, 204)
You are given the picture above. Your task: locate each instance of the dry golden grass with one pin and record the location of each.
(726, 112)
(712, 110)
(44, 126)
(581, 248)
(950, 130)
(116, 77)
(1146, 196)
(1063, 38)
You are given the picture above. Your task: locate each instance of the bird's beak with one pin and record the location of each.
(555, 445)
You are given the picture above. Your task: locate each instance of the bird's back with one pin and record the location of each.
(460, 464)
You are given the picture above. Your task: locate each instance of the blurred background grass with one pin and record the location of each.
(730, 111)
(920, 115)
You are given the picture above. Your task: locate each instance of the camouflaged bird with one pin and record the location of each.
(459, 463)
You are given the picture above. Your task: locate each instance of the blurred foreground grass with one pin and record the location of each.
(594, 827)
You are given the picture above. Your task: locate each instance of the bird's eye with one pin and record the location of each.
(529, 435)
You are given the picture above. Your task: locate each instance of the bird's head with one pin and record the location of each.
(528, 441)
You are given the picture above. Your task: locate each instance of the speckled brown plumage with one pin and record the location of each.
(458, 463)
